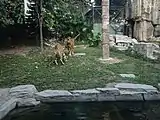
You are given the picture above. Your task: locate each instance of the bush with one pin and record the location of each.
(94, 40)
(60, 19)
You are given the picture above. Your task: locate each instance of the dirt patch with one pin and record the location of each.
(20, 50)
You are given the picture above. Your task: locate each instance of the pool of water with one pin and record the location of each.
(88, 111)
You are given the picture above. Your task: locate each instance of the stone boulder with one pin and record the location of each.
(27, 102)
(4, 95)
(23, 91)
(134, 41)
(54, 96)
(6, 103)
(136, 87)
(79, 54)
(112, 38)
(134, 92)
(7, 106)
(123, 42)
(111, 44)
(127, 75)
(85, 95)
(130, 95)
(107, 94)
(145, 49)
(24, 94)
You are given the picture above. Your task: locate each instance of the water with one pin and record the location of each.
(88, 111)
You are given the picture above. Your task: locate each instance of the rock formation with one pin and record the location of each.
(145, 17)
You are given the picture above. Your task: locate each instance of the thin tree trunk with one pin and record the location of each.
(40, 27)
(93, 14)
(105, 29)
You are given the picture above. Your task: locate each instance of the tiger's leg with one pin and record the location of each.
(73, 52)
(62, 61)
(56, 62)
(65, 57)
(70, 52)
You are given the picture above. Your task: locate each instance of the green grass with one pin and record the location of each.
(78, 73)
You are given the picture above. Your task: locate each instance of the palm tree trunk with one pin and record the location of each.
(105, 29)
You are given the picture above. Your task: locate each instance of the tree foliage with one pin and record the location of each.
(11, 20)
(66, 17)
(11, 12)
(60, 17)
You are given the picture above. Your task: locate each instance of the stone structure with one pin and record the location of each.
(27, 95)
(145, 49)
(123, 43)
(143, 17)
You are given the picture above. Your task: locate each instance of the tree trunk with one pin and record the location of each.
(105, 29)
(40, 27)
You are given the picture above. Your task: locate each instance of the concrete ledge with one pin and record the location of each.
(27, 95)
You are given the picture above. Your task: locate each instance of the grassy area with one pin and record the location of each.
(78, 73)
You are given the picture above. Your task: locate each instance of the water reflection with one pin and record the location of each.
(89, 111)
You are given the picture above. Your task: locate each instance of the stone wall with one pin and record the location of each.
(146, 17)
(145, 49)
(27, 95)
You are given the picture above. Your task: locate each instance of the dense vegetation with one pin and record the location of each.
(11, 19)
(60, 18)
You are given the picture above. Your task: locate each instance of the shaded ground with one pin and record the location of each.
(19, 50)
(79, 72)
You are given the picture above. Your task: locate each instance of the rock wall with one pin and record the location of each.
(28, 96)
(149, 50)
(146, 17)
